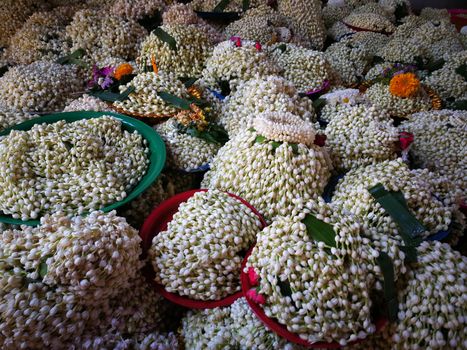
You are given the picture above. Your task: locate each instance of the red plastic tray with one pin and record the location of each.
(280, 329)
(457, 20)
(156, 222)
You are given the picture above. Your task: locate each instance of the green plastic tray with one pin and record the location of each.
(157, 152)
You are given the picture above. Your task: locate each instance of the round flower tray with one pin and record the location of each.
(280, 329)
(156, 146)
(156, 222)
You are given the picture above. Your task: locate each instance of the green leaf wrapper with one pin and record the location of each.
(73, 58)
(112, 96)
(390, 294)
(320, 231)
(221, 6)
(174, 100)
(166, 37)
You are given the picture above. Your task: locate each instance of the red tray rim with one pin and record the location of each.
(280, 329)
(156, 222)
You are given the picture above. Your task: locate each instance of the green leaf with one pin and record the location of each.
(72, 58)
(320, 231)
(377, 59)
(294, 148)
(285, 288)
(221, 6)
(318, 104)
(281, 47)
(435, 65)
(410, 254)
(245, 5)
(275, 144)
(165, 37)
(173, 100)
(260, 139)
(213, 133)
(392, 203)
(462, 70)
(112, 96)
(43, 267)
(390, 294)
(460, 105)
(188, 82)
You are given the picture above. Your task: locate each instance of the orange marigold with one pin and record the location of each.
(404, 85)
(123, 69)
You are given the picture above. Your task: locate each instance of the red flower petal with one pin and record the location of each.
(237, 40)
(254, 296)
(253, 276)
(405, 139)
(320, 140)
(258, 46)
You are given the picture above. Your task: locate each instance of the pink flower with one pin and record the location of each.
(253, 277)
(258, 46)
(405, 139)
(237, 40)
(101, 77)
(254, 296)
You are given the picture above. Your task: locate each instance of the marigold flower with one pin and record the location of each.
(154, 65)
(122, 70)
(404, 85)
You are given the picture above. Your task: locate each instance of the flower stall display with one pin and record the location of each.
(276, 166)
(340, 124)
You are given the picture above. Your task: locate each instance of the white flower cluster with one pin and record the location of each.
(440, 38)
(232, 6)
(432, 311)
(236, 64)
(372, 42)
(271, 93)
(13, 13)
(337, 100)
(446, 81)
(350, 60)
(139, 209)
(369, 21)
(276, 178)
(377, 70)
(440, 143)
(39, 86)
(75, 283)
(42, 36)
(306, 69)
(430, 13)
(136, 9)
(188, 60)
(145, 100)
(330, 285)
(339, 30)
(87, 103)
(233, 327)
(70, 167)
(9, 119)
(199, 255)
(185, 152)
(333, 14)
(352, 196)
(208, 329)
(179, 13)
(361, 135)
(284, 127)
(403, 50)
(306, 20)
(374, 7)
(104, 35)
(380, 96)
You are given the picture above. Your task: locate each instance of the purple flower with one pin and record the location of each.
(101, 77)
